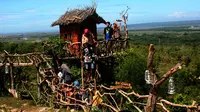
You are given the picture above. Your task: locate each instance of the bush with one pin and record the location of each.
(131, 69)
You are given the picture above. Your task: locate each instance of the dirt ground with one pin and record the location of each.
(9, 104)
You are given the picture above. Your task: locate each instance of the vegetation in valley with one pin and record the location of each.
(172, 47)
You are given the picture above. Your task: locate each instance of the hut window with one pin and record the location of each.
(68, 36)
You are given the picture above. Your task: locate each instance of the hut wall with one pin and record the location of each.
(73, 32)
(70, 33)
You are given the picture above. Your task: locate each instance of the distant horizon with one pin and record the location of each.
(56, 29)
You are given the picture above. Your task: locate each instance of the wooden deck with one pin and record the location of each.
(103, 48)
(29, 59)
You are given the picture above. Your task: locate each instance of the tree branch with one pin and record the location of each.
(114, 102)
(136, 94)
(67, 103)
(180, 105)
(113, 108)
(163, 107)
(150, 62)
(120, 91)
(169, 73)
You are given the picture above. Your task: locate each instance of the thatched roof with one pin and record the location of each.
(78, 16)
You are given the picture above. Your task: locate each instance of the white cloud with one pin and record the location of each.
(30, 10)
(195, 14)
(177, 14)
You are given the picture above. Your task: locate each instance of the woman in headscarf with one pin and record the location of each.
(88, 41)
(89, 51)
(116, 31)
(88, 38)
(67, 74)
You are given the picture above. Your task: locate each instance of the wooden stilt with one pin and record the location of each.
(11, 77)
(96, 76)
(38, 83)
(12, 90)
(82, 71)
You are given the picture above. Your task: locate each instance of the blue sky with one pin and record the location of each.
(37, 15)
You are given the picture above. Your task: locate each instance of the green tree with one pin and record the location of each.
(131, 69)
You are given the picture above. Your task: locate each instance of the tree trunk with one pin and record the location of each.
(151, 102)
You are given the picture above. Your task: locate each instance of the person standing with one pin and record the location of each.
(88, 38)
(116, 31)
(108, 31)
(89, 52)
(88, 41)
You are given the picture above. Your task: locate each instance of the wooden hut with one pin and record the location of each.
(73, 23)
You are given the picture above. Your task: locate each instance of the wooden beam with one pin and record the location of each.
(17, 64)
(15, 55)
(71, 19)
(76, 17)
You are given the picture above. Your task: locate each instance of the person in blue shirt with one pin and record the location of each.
(108, 31)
